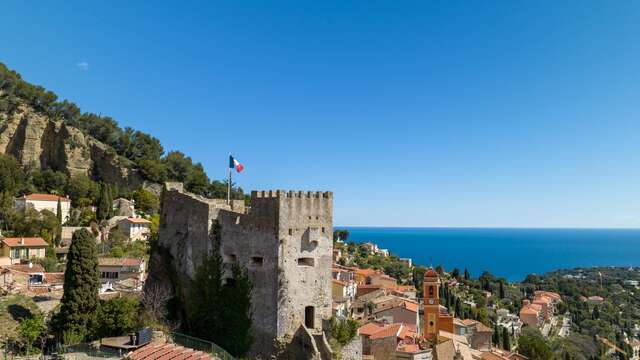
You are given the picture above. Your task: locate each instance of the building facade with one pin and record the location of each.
(41, 202)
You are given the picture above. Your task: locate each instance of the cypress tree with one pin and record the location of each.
(220, 311)
(506, 341)
(79, 305)
(496, 335)
(105, 204)
(501, 291)
(467, 276)
(58, 237)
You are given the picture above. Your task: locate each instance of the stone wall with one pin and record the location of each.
(352, 350)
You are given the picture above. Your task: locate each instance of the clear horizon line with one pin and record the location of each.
(490, 227)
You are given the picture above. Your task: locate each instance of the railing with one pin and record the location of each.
(201, 345)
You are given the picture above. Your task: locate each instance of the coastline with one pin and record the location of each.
(512, 253)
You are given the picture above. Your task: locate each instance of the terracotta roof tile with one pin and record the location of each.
(370, 328)
(45, 197)
(391, 330)
(25, 268)
(120, 261)
(25, 241)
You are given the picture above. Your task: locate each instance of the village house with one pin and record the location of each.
(383, 280)
(478, 335)
(135, 228)
(509, 321)
(531, 314)
(547, 301)
(499, 354)
(392, 341)
(21, 249)
(41, 202)
(67, 234)
(450, 346)
(407, 262)
(124, 207)
(21, 277)
(392, 309)
(118, 269)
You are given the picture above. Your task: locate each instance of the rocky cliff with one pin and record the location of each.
(36, 140)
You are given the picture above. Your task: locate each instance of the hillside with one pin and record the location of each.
(43, 133)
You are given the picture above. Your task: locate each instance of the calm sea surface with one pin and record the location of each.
(512, 253)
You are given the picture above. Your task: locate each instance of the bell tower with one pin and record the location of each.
(431, 287)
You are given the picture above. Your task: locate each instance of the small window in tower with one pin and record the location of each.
(317, 217)
(290, 231)
(323, 230)
(305, 261)
(430, 290)
(257, 260)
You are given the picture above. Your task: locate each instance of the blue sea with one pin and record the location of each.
(507, 252)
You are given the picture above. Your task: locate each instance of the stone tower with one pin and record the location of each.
(284, 240)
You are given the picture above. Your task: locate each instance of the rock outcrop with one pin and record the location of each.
(36, 140)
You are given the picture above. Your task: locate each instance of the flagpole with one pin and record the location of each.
(229, 186)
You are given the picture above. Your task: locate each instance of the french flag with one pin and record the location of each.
(233, 163)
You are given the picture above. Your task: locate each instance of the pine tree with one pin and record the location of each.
(219, 310)
(506, 340)
(79, 304)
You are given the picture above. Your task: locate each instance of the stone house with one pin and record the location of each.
(124, 207)
(396, 310)
(21, 276)
(383, 280)
(22, 249)
(67, 234)
(135, 228)
(118, 269)
(478, 335)
(392, 341)
(41, 202)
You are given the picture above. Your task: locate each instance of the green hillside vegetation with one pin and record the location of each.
(143, 150)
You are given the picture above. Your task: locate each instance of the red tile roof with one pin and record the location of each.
(45, 197)
(167, 351)
(411, 306)
(25, 242)
(25, 268)
(391, 330)
(120, 261)
(370, 328)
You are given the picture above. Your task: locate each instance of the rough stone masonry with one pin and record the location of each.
(284, 239)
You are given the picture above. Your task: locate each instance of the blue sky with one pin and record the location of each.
(415, 113)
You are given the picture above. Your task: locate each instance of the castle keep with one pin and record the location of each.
(284, 239)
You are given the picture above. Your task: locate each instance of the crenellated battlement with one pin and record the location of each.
(291, 194)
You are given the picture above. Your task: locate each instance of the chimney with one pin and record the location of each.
(21, 241)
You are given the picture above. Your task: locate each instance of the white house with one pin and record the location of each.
(135, 228)
(41, 202)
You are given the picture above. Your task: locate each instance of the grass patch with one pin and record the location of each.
(14, 308)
